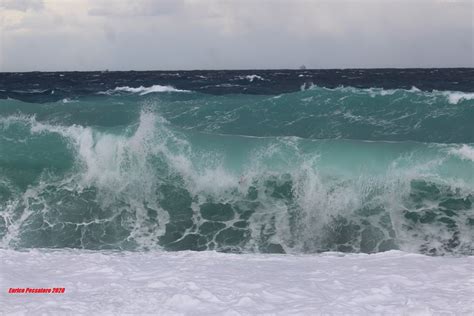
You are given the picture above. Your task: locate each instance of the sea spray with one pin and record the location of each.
(237, 162)
(149, 185)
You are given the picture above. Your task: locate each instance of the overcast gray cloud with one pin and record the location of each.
(135, 8)
(21, 5)
(220, 34)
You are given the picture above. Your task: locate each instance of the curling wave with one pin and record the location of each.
(239, 161)
(151, 185)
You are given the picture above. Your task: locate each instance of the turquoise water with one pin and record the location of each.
(345, 169)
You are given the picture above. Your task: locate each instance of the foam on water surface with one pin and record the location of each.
(152, 186)
(239, 161)
(322, 191)
(211, 283)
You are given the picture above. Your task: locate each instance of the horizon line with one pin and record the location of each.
(242, 69)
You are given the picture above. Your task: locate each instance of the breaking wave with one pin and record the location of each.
(151, 185)
(239, 161)
(144, 90)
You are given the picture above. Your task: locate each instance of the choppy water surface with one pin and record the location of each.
(251, 161)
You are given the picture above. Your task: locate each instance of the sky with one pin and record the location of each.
(62, 35)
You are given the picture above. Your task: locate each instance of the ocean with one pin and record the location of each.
(274, 161)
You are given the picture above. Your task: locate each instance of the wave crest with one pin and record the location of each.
(151, 186)
(144, 90)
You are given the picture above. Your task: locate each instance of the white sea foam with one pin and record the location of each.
(145, 90)
(414, 89)
(31, 91)
(465, 152)
(117, 165)
(454, 97)
(252, 78)
(68, 100)
(122, 167)
(209, 283)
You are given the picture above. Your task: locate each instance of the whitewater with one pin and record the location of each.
(238, 192)
(210, 283)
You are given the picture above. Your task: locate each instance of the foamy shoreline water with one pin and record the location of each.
(192, 283)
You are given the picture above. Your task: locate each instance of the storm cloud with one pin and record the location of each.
(213, 34)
